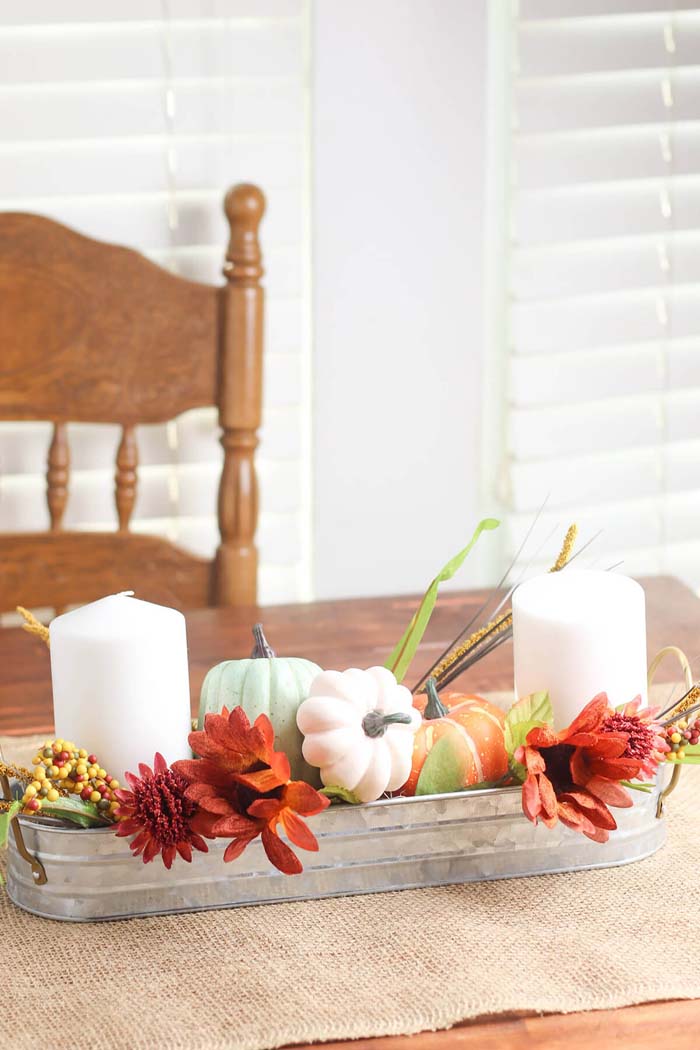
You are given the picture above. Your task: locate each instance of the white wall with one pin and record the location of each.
(398, 162)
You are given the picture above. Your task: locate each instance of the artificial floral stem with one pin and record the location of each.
(672, 650)
(32, 626)
(497, 625)
(262, 649)
(434, 707)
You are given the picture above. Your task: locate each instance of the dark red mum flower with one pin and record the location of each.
(242, 788)
(159, 814)
(574, 775)
(646, 743)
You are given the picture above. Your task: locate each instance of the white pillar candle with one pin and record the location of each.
(121, 683)
(577, 634)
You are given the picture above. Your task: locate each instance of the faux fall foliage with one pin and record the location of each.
(242, 789)
(576, 775)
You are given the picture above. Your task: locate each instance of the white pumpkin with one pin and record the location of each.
(358, 729)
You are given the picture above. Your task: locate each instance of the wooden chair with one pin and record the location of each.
(92, 332)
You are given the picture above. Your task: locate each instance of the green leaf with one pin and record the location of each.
(446, 766)
(405, 650)
(86, 814)
(5, 820)
(529, 713)
(340, 794)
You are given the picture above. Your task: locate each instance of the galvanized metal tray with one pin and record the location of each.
(392, 844)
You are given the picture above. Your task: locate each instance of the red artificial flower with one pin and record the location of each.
(242, 788)
(158, 813)
(646, 742)
(574, 775)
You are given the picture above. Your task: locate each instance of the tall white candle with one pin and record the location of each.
(579, 633)
(120, 681)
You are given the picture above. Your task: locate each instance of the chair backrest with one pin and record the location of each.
(93, 332)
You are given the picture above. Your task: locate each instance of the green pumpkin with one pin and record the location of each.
(265, 685)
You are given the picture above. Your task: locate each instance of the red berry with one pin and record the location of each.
(33, 804)
(92, 759)
(85, 794)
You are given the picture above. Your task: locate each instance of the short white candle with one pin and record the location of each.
(578, 633)
(121, 683)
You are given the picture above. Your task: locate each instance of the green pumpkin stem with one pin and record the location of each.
(376, 724)
(434, 707)
(262, 649)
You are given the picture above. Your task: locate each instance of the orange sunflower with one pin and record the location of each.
(573, 776)
(242, 789)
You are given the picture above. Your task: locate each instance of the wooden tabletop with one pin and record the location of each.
(362, 632)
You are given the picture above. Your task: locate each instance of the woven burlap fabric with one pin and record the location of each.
(254, 978)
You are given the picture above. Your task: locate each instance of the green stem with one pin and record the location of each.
(376, 724)
(262, 649)
(434, 707)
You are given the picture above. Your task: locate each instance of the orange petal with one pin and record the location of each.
(532, 804)
(280, 854)
(596, 811)
(548, 796)
(589, 720)
(610, 792)
(234, 825)
(266, 809)
(542, 736)
(301, 797)
(614, 768)
(235, 848)
(298, 831)
(534, 762)
(263, 780)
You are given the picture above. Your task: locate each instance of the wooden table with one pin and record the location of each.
(362, 632)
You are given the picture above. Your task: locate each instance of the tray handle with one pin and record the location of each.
(34, 863)
(670, 650)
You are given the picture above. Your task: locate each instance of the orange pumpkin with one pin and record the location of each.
(474, 721)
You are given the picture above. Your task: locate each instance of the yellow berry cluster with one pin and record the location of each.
(60, 768)
(679, 735)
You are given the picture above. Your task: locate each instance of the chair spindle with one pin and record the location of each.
(57, 476)
(240, 402)
(126, 477)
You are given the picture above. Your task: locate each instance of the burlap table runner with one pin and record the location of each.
(393, 963)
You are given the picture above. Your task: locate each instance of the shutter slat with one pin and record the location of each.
(593, 44)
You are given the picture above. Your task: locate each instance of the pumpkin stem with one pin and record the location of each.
(261, 649)
(434, 707)
(376, 724)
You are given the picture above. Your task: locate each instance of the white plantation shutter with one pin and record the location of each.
(603, 330)
(127, 121)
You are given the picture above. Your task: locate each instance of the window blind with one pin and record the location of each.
(128, 121)
(603, 278)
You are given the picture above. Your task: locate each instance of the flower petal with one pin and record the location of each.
(235, 848)
(298, 831)
(234, 825)
(279, 854)
(609, 792)
(263, 780)
(531, 802)
(589, 719)
(159, 764)
(548, 797)
(596, 811)
(301, 797)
